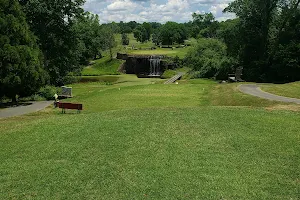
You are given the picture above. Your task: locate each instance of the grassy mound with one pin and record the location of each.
(288, 89)
(103, 66)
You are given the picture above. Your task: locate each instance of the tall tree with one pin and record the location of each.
(140, 33)
(90, 35)
(256, 17)
(125, 39)
(21, 68)
(52, 22)
(109, 41)
(172, 32)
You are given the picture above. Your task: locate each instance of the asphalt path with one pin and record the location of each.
(255, 90)
(24, 109)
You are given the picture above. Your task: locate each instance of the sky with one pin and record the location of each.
(155, 10)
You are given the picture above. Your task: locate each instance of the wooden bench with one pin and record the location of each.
(74, 106)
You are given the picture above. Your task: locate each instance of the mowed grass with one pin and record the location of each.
(103, 66)
(288, 89)
(180, 52)
(130, 92)
(140, 139)
(157, 153)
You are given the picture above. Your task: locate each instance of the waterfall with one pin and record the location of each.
(154, 65)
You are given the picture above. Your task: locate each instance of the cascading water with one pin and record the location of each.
(154, 65)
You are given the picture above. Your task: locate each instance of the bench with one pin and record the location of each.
(74, 106)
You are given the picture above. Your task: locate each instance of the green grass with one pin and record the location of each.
(288, 89)
(103, 66)
(180, 52)
(157, 153)
(140, 139)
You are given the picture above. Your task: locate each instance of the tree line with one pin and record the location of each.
(42, 41)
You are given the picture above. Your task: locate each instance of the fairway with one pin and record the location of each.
(140, 139)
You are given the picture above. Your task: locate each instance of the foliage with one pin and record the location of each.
(264, 31)
(125, 39)
(52, 22)
(209, 59)
(48, 92)
(109, 41)
(90, 36)
(204, 25)
(141, 34)
(21, 68)
(171, 33)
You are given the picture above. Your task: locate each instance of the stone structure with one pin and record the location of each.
(144, 65)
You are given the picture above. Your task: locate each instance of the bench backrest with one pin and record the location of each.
(70, 106)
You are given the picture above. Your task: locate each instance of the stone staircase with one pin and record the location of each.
(175, 78)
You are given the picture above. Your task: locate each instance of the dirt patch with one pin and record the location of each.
(294, 108)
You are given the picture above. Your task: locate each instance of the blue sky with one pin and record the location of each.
(155, 10)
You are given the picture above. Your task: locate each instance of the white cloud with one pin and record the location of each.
(155, 10)
(121, 5)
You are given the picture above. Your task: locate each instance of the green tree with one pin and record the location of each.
(21, 68)
(140, 33)
(209, 59)
(88, 30)
(52, 22)
(108, 40)
(125, 39)
(256, 18)
(172, 32)
(204, 25)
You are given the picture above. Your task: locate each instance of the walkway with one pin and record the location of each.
(21, 110)
(255, 90)
(175, 78)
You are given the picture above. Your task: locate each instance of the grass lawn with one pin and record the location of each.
(288, 89)
(140, 139)
(180, 52)
(103, 66)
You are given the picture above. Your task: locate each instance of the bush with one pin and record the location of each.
(71, 79)
(209, 59)
(168, 74)
(48, 92)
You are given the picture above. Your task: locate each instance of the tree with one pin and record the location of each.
(204, 24)
(88, 30)
(21, 68)
(156, 38)
(52, 22)
(140, 33)
(209, 59)
(256, 18)
(125, 39)
(108, 40)
(172, 32)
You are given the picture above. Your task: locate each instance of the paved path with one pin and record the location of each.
(21, 110)
(256, 91)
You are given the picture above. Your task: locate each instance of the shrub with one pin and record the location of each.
(209, 59)
(47, 92)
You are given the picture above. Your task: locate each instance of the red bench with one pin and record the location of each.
(74, 106)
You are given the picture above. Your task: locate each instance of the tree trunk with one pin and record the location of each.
(110, 51)
(14, 100)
